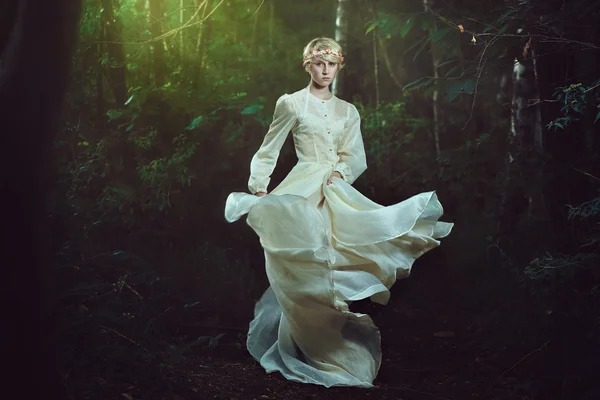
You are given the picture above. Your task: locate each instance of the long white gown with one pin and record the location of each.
(326, 245)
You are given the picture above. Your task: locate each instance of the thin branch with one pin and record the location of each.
(386, 57)
(134, 291)
(479, 69)
(586, 173)
(591, 88)
(535, 102)
(546, 38)
(172, 32)
(258, 9)
(517, 363)
(124, 337)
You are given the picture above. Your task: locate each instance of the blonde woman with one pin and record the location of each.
(325, 244)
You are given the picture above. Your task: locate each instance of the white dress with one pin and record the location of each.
(325, 246)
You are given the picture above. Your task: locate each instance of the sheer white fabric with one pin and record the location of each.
(326, 245)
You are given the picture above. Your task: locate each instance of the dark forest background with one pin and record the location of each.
(493, 104)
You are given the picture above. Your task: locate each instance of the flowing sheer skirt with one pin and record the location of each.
(321, 252)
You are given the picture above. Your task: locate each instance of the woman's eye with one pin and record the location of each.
(331, 64)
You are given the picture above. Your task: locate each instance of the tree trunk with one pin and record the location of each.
(117, 65)
(149, 52)
(197, 73)
(156, 16)
(181, 32)
(523, 184)
(8, 16)
(254, 45)
(376, 71)
(436, 57)
(202, 44)
(341, 36)
(100, 105)
(31, 103)
(271, 22)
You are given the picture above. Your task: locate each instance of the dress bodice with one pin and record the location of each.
(326, 136)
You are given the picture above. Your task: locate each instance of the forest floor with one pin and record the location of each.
(432, 349)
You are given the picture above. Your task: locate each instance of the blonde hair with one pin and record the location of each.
(322, 44)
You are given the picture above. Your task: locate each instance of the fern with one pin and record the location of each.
(590, 208)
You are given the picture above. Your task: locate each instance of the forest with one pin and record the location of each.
(494, 104)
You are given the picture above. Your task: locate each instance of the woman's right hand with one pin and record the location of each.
(260, 194)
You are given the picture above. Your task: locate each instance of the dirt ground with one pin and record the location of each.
(437, 344)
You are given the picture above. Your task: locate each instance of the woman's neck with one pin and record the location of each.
(322, 92)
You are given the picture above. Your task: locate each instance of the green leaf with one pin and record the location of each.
(372, 26)
(415, 44)
(443, 64)
(440, 34)
(421, 48)
(195, 123)
(462, 86)
(469, 85)
(503, 29)
(114, 114)
(453, 91)
(214, 341)
(419, 83)
(452, 70)
(407, 26)
(506, 15)
(234, 135)
(597, 117)
(253, 109)
(427, 22)
(129, 128)
(131, 98)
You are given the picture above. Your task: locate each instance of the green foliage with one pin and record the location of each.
(574, 99)
(387, 130)
(590, 208)
(555, 272)
(151, 165)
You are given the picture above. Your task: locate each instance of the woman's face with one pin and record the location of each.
(323, 72)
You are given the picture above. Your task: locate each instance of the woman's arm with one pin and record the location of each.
(264, 161)
(352, 158)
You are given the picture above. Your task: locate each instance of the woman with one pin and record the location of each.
(325, 244)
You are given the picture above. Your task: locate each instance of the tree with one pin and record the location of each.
(43, 37)
(156, 18)
(117, 66)
(436, 58)
(341, 36)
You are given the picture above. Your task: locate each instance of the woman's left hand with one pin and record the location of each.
(336, 174)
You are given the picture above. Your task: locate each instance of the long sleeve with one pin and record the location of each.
(351, 152)
(264, 161)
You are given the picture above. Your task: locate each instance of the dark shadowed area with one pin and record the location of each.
(493, 104)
